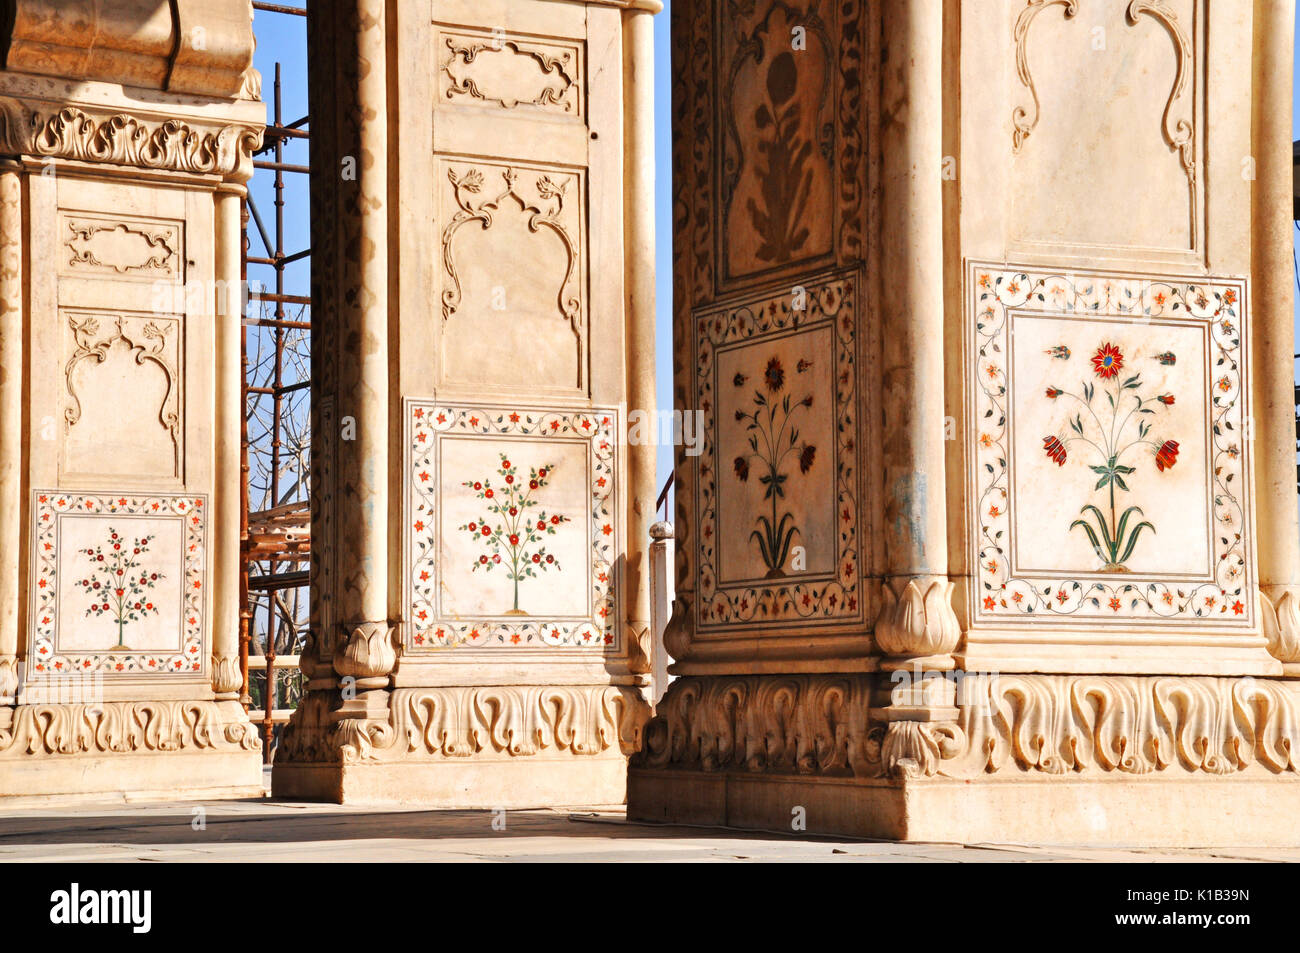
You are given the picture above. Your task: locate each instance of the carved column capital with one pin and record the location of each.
(918, 623)
(1280, 610)
(8, 679)
(368, 653)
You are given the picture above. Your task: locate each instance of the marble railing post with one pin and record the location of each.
(1273, 363)
(11, 411)
(917, 627)
(224, 555)
(639, 287)
(368, 652)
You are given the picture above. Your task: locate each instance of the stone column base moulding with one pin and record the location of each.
(535, 745)
(163, 749)
(1105, 759)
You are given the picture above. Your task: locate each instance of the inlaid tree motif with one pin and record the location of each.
(784, 176)
(1113, 539)
(511, 535)
(773, 440)
(118, 585)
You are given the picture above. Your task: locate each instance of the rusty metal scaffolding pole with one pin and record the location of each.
(271, 546)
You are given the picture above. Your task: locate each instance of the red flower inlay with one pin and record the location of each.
(1055, 450)
(1107, 361)
(1167, 455)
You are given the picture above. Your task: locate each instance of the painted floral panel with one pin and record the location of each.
(118, 583)
(1109, 468)
(776, 384)
(511, 526)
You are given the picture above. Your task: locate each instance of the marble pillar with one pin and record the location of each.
(484, 310)
(121, 176)
(1053, 467)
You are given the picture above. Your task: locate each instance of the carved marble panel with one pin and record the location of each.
(117, 583)
(776, 118)
(777, 503)
(123, 408)
(513, 275)
(1109, 458)
(1106, 141)
(512, 527)
(122, 246)
(508, 71)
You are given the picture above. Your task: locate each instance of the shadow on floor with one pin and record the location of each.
(254, 821)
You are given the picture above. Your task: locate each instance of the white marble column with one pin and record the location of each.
(916, 621)
(11, 418)
(228, 306)
(1273, 362)
(367, 654)
(639, 291)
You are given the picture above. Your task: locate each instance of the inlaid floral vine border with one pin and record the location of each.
(427, 421)
(996, 290)
(48, 507)
(830, 301)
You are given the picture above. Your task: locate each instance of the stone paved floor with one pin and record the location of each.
(261, 830)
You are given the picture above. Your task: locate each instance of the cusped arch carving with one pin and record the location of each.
(1021, 119)
(1179, 133)
(544, 214)
(149, 342)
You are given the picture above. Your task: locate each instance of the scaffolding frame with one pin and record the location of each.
(275, 540)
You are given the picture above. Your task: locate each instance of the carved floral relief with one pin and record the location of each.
(1109, 460)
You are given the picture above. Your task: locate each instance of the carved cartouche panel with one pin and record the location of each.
(1108, 464)
(776, 383)
(513, 276)
(124, 399)
(776, 139)
(121, 247)
(501, 70)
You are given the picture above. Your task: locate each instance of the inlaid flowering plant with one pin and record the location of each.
(1112, 442)
(510, 534)
(773, 439)
(117, 585)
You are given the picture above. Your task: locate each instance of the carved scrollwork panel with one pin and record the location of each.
(514, 274)
(505, 71)
(96, 135)
(120, 247)
(113, 361)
